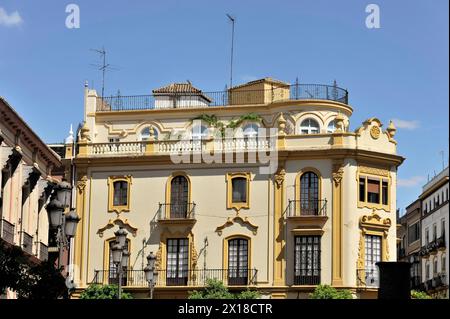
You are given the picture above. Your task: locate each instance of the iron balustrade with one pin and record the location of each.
(27, 242)
(176, 211)
(43, 251)
(235, 96)
(307, 207)
(7, 231)
(368, 277)
(186, 278)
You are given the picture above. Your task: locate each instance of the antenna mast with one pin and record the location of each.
(102, 67)
(232, 46)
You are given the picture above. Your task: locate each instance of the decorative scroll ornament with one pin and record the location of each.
(119, 222)
(158, 262)
(81, 184)
(279, 177)
(338, 173)
(243, 221)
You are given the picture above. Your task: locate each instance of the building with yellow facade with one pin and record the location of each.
(290, 199)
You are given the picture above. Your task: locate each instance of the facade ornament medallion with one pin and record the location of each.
(375, 132)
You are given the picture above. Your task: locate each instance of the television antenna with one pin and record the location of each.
(232, 19)
(103, 67)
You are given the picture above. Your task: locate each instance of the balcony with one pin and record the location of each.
(181, 146)
(307, 212)
(27, 243)
(433, 246)
(439, 281)
(171, 278)
(7, 231)
(232, 97)
(440, 242)
(176, 213)
(307, 279)
(43, 251)
(368, 277)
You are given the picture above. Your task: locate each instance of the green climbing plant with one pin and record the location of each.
(214, 122)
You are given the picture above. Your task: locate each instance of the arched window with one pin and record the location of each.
(199, 132)
(145, 134)
(238, 261)
(331, 127)
(179, 197)
(309, 194)
(309, 126)
(250, 130)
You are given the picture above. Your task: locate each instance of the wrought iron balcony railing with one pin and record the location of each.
(176, 277)
(168, 211)
(368, 277)
(223, 98)
(7, 231)
(307, 208)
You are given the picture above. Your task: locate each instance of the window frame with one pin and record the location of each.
(147, 138)
(225, 255)
(417, 226)
(310, 279)
(229, 180)
(382, 176)
(169, 191)
(298, 188)
(301, 126)
(111, 181)
(178, 280)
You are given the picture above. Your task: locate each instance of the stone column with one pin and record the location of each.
(337, 271)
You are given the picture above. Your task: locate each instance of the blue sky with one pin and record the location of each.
(399, 71)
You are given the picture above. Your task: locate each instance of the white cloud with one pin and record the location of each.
(411, 182)
(10, 20)
(407, 125)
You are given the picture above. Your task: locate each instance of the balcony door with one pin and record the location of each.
(307, 260)
(113, 271)
(372, 256)
(309, 194)
(177, 262)
(179, 197)
(238, 261)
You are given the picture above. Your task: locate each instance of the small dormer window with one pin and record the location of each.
(331, 127)
(309, 126)
(250, 131)
(145, 134)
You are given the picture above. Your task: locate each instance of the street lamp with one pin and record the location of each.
(66, 224)
(120, 255)
(150, 273)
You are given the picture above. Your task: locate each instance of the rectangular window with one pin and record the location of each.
(434, 231)
(372, 256)
(427, 236)
(373, 191)
(239, 189)
(307, 260)
(413, 233)
(177, 262)
(120, 193)
(113, 273)
(442, 228)
(362, 189)
(385, 192)
(238, 261)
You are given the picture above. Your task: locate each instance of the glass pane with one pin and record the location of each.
(239, 189)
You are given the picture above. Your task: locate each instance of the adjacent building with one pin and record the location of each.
(434, 237)
(409, 247)
(26, 165)
(290, 199)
